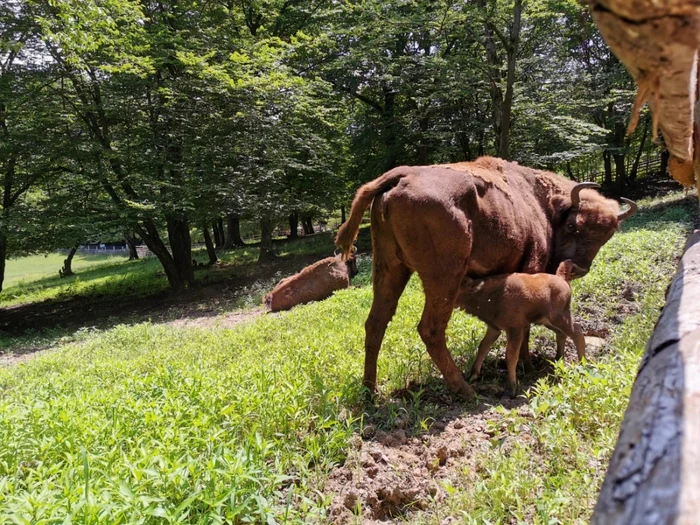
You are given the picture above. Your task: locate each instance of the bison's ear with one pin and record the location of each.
(560, 206)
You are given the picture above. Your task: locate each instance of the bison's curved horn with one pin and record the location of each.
(577, 189)
(626, 214)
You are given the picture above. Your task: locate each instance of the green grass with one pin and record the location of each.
(150, 424)
(23, 270)
(34, 279)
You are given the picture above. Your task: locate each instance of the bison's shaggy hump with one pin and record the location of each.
(313, 283)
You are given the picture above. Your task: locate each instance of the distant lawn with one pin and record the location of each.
(35, 278)
(152, 424)
(25, 270)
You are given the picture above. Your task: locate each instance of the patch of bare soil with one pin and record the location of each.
(388, 475)
(225, 320)
(20, 355)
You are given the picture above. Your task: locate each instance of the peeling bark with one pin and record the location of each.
(654, 472)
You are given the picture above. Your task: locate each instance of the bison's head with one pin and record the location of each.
(584, 222)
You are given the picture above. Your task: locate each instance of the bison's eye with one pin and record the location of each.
(570, 227)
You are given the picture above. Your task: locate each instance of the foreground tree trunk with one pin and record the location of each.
(211, 252)
(654, 472)
(181, 248)
(68, 262)
(131, 243)
(266, 250)
(294, 225)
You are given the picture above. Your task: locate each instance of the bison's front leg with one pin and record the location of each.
(388, 284)
(439, 303)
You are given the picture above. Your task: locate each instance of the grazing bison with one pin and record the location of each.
(313, 283)
(474, 218)
(512, 302)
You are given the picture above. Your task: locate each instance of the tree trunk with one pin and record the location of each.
(67, 263)
(266, 250)
(222, 231)
(654, 471)
(148, 231)
(663, 168)
(608, 167)
(342, 215)
(181, 248)
(514, 41)
(569, 172)
(233, 232)
(211, 252)
(131, 243)
(635, 164)
(217, 238)
(620, 172)
(3, 258)
(307, 225)
(294, 225)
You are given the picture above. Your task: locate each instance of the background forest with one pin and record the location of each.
(171, 120)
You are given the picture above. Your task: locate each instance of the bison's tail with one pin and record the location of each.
(363, 198)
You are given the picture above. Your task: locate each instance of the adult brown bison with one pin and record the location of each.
(473, 218)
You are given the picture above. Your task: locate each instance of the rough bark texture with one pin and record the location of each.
(211, 251)
(654, 472)
(266, 250)
(658, 43)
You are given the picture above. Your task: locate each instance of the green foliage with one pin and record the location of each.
(149, 423)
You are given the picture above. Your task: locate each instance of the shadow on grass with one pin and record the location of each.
(137, 291)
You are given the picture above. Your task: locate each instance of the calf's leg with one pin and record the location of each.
(515, 339)
(484, 347)
(563, 323)
(525, 352)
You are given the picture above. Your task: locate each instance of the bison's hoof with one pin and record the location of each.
(509, 394)
(465, 392)
(473, 376)
(528, 367)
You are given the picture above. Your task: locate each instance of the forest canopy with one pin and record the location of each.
(160, 120)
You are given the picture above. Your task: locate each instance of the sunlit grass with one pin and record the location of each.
(150, 424)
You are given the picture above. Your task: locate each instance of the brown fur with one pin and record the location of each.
(313, 283)
(512, 303)
(478, 219)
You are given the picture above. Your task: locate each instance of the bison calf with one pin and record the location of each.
(514, 301)
(313, 283)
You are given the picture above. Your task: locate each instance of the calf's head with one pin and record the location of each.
(583, 222)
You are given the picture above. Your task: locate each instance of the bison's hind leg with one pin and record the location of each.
(389, 282)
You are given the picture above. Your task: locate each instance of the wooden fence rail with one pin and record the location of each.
(654, 472)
